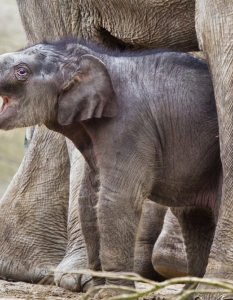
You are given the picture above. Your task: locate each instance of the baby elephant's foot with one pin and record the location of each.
(75, 282)
(108, 293)
(66, 274)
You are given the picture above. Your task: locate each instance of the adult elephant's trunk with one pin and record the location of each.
(214, 26)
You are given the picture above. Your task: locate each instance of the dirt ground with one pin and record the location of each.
(27, 291)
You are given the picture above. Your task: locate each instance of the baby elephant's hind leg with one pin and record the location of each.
(198, 227)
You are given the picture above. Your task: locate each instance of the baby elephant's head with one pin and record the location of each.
(29, 84)
(42, 84)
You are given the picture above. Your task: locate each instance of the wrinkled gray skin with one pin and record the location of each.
(150, 227)
(116, 24)
(21, 219)
(146, 125)
(169, 254)
(105, 23)
(159, 240)
(33, 234)
(214, 27)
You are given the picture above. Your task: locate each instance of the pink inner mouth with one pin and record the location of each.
(5, 103)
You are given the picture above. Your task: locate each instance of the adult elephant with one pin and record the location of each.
(117, 24)
(214, 26)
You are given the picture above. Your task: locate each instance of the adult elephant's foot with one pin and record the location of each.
(149, 229)
(169, 259)
(66, 274)
(169, 255)
(215, 270)
(19, 271)
(211, 296)
(108, 293)
(75, 282)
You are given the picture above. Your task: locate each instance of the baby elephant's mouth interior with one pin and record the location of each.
(3, 103)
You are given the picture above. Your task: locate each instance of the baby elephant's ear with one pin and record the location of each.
(89, 93)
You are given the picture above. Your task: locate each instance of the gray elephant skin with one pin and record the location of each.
(138, 120)
(34, 236)
(157, 23)
(159, 244)
(104, 24)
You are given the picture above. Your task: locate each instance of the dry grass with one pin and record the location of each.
(214, 286)
(151, 290)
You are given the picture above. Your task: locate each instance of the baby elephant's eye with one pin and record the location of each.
(22, 73)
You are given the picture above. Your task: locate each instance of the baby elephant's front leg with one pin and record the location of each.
(88, 198)
(118, 222)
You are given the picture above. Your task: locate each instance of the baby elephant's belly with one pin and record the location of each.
(203, 191)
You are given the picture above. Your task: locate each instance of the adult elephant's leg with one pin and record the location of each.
(214, 26)
(76, 256)
(150, 227)
(169, 254)
(33, 211)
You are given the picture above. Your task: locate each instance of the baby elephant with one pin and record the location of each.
(146, 125)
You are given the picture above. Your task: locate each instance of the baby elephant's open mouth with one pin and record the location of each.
(4, 100)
